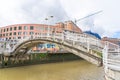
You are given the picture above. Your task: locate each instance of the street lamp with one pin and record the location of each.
(48, 29)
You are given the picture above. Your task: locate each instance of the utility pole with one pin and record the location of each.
(48, 28)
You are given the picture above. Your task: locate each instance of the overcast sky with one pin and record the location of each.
(105, 23)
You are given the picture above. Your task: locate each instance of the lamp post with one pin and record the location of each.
(48, 28)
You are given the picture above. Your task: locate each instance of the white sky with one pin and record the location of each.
(35, 11)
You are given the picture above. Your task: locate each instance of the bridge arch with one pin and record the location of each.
(67, 45)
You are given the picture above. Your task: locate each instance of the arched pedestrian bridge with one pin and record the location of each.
(85, 46)
(82, 45)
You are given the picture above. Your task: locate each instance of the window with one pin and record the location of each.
(4, 30)
(31, 33)
(10, 34)
(9, 37)
(7, 29)
(11, 29)
(1, 30)
(6, 34)
(19, 37)
(14, 33)
(19, 33)
(0, 35)
(25, 28)
(15, 28)
(3, 34)
(31, 27)
(20, 27)
(25, 33)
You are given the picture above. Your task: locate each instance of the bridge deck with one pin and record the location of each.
(85, 47)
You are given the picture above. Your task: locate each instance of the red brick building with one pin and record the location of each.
(113, 40)
(21, 31)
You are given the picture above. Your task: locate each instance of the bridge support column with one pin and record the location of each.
(1, 60)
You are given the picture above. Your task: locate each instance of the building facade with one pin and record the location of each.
(112, 40)
(21, 31)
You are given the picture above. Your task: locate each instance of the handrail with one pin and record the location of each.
(83, 39)
(111, 56)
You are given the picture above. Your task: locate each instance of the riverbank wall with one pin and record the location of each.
(36, 58)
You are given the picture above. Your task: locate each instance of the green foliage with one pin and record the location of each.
(40, 55)
(98, 53)
(43, 55)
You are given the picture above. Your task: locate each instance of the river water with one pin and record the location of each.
(72, 70)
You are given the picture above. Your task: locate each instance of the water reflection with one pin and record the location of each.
(74, 70)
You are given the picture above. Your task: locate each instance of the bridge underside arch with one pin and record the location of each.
(25, 46)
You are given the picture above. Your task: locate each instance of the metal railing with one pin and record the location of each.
(74, 38)
(111, 56)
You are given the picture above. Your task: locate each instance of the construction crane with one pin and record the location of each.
(88, 16)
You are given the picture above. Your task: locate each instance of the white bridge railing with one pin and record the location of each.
(111, 56)
(76, 39)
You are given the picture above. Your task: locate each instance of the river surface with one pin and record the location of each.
(72, 70)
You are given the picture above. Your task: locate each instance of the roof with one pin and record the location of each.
(93, 34)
